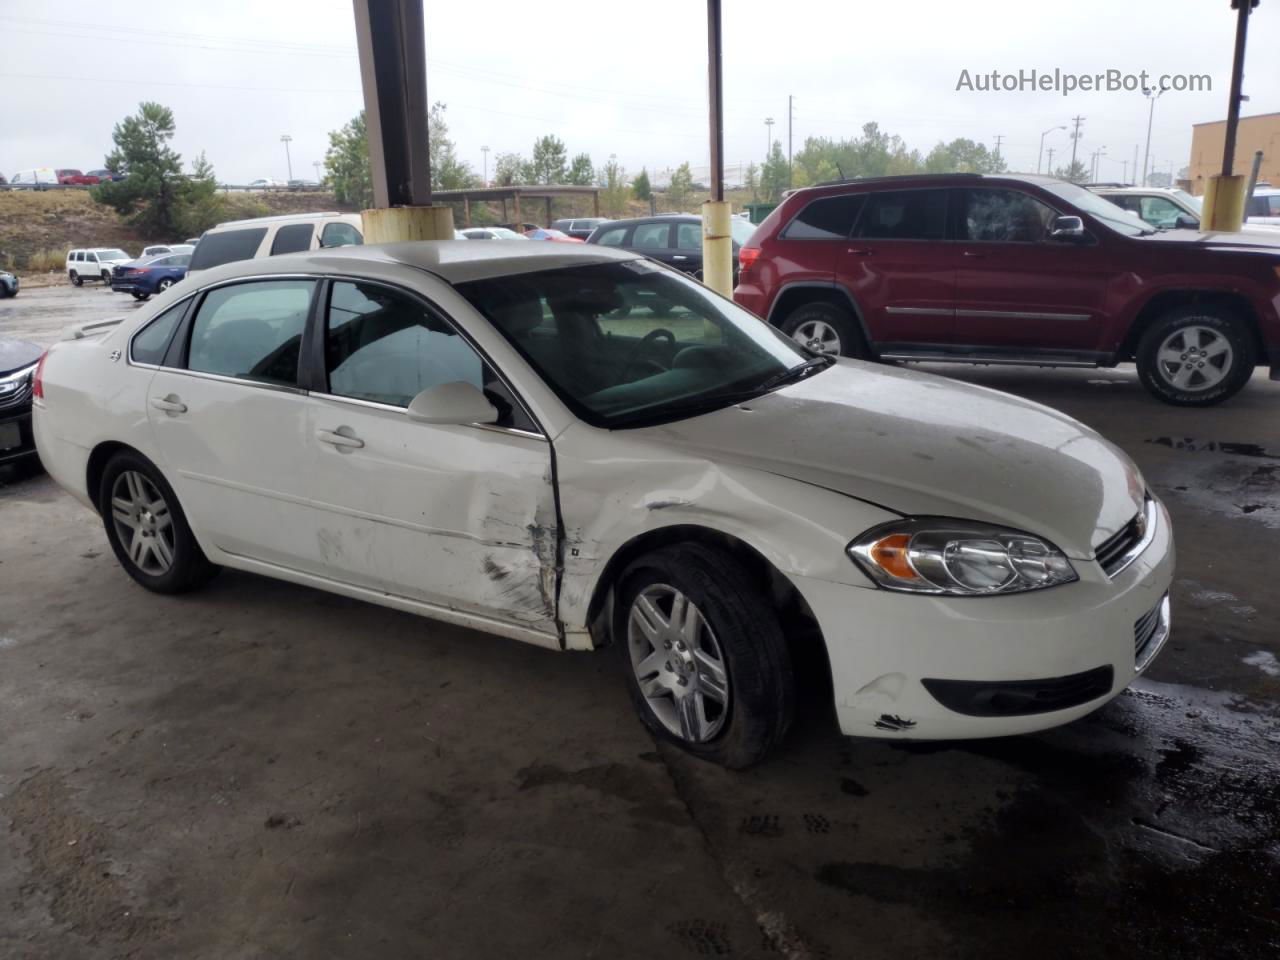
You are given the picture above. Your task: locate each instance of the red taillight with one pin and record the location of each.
(747, 256)
(37, 378)
(133, 271)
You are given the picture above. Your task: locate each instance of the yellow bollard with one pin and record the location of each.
(717, 247)
(405, 224)
(1223, 208)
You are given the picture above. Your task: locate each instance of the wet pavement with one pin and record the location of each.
(260, 770)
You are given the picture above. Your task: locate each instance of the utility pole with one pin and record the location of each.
(285, 139)
(1041, 153)
(1135, 161)
(485, 151)
(768, 146)
(1075, 141)
(1124, 171)
(1243, 8)
(999, 139)
(790, 110)
(1051, 161)
(1153, 95)
(316, 164)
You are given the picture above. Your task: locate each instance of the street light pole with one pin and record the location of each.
(1042, 136)
(485, 151)
(316, 164)
(768, 144)
(1153, 96)
(285, 140)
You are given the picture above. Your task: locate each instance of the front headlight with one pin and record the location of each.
(958, 558)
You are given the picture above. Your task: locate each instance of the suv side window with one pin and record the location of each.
(340, 234)
(293, 238)
(215, 249)
(827, 218)
(252, 331)
(386, 347)
(652, 235)
(1004, 216)
(1160, 210)
(613, 237)
(904, 215)
(149, 345)
(689, 236)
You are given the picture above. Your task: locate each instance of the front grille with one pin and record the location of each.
(1150, 632)
(17, 398)
(1112, 551)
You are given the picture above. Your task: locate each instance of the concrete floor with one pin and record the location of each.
(260, 770)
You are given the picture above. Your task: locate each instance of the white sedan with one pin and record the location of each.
(575, 446)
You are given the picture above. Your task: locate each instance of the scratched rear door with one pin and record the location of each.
(459, 516)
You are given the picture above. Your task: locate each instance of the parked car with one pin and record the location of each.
(521, 228)
(158, 249)
(191, 241)
(492, 233)
(8, 284)
(673, 239)
(579, 227)
(37, 179)
(267, 183)
(69, 177)
(148, 275)
(303, 186)
(105, 175)
(546, 233)
(270, 236)
(1263, 207)
(18, 360)
(1014, 269)
(698, 517)
(94, 263)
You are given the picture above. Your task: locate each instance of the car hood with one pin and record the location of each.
(16, 354)
(922, 445)
(1254, 239)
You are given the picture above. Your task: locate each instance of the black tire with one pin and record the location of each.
(746, 632)
(850, 342)
(106, 279)
(164, 285)
(76, 279)
(140, 296)
(189, 567)
(1193, 332)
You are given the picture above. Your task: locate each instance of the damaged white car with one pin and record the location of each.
(578, 447)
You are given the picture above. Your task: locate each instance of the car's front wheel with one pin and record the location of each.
(825, 328)
(75, 279)
(106, 279)
(704, 655)
(147, 529)
(1196, 356)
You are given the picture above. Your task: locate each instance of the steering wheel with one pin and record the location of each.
(638, 357)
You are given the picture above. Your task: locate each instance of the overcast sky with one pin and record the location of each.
(618, 78)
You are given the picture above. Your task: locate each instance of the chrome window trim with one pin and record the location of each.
(200, 374)
(921, 311)
(998, 314)
(1151, 516)
(392, 408)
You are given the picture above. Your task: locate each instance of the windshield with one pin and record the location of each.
(1188, 199)
(741, 230)
(1100, 208)
(633, 343)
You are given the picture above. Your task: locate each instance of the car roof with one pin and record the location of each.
(657, 218)
(454, 261)
(280, 218)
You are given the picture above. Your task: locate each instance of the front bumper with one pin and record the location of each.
(26, 438)
(10, 284)
(997, 665)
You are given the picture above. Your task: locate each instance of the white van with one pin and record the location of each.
(36, 179)
(94, 263)
(267, 236)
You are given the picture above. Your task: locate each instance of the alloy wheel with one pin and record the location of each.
(143, 522)
(678, 663)
(1194, 358)
(818, 335)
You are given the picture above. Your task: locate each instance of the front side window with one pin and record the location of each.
(631, 343)
(827, 218)
(904, 215)
(1160, 211)
(384, 346)
(227, 246)
(1004, 216)
(652, 235)
(252, 331)
(150, 345)
(340, 235)
(613, 237)
(293, 238)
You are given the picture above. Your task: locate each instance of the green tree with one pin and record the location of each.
(548, 164)
(508, 170)
(640, 187)
(614, 196)
(202, 206)
(1076, 172)
(447, 171)
(346, 164)
(774, 174)
(681, 187)
(154, 189)
(581, 172)
(963, 156)
(752, 181)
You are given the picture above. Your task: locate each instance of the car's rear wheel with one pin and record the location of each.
(147, 529)
(704, 655)
(1196, 356)
(140, 296)
(164, 285)
(825, 328)
(75, 279)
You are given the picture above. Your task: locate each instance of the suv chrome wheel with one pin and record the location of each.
(678, 663)
(818, 335)
(143, 522)
(1194, 358)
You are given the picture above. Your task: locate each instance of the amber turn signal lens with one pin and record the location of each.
(891, 554)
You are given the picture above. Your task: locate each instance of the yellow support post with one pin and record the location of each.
(407, 224)
(717, 247)
(1223, 208)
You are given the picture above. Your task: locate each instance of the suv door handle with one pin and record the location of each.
(169, 404)
(859, 251)
(338, 440)
(974, 254)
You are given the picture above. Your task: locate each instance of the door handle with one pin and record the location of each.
(974, 254)
(169, 404)
(859, 251)
(678, 256)
(338, 440)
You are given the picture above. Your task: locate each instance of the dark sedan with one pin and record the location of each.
(149, 275)
(18, 359)
(674, 239)
(8, 284)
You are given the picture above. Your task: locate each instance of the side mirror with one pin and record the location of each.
(1066, 228)
(1186, 222)
(457, 402)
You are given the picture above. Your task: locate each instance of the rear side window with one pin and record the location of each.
(215, 249)
(904, 215)
(252, 331)
(613, 238)
(340, 235)
(689, 236)
(827, 218)
(652, 235)
(150, 345)
(293, 238)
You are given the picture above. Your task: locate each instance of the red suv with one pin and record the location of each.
(1014, 269)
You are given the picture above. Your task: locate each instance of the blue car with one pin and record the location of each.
(148, 275)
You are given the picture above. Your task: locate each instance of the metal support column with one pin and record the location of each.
(717, 243)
